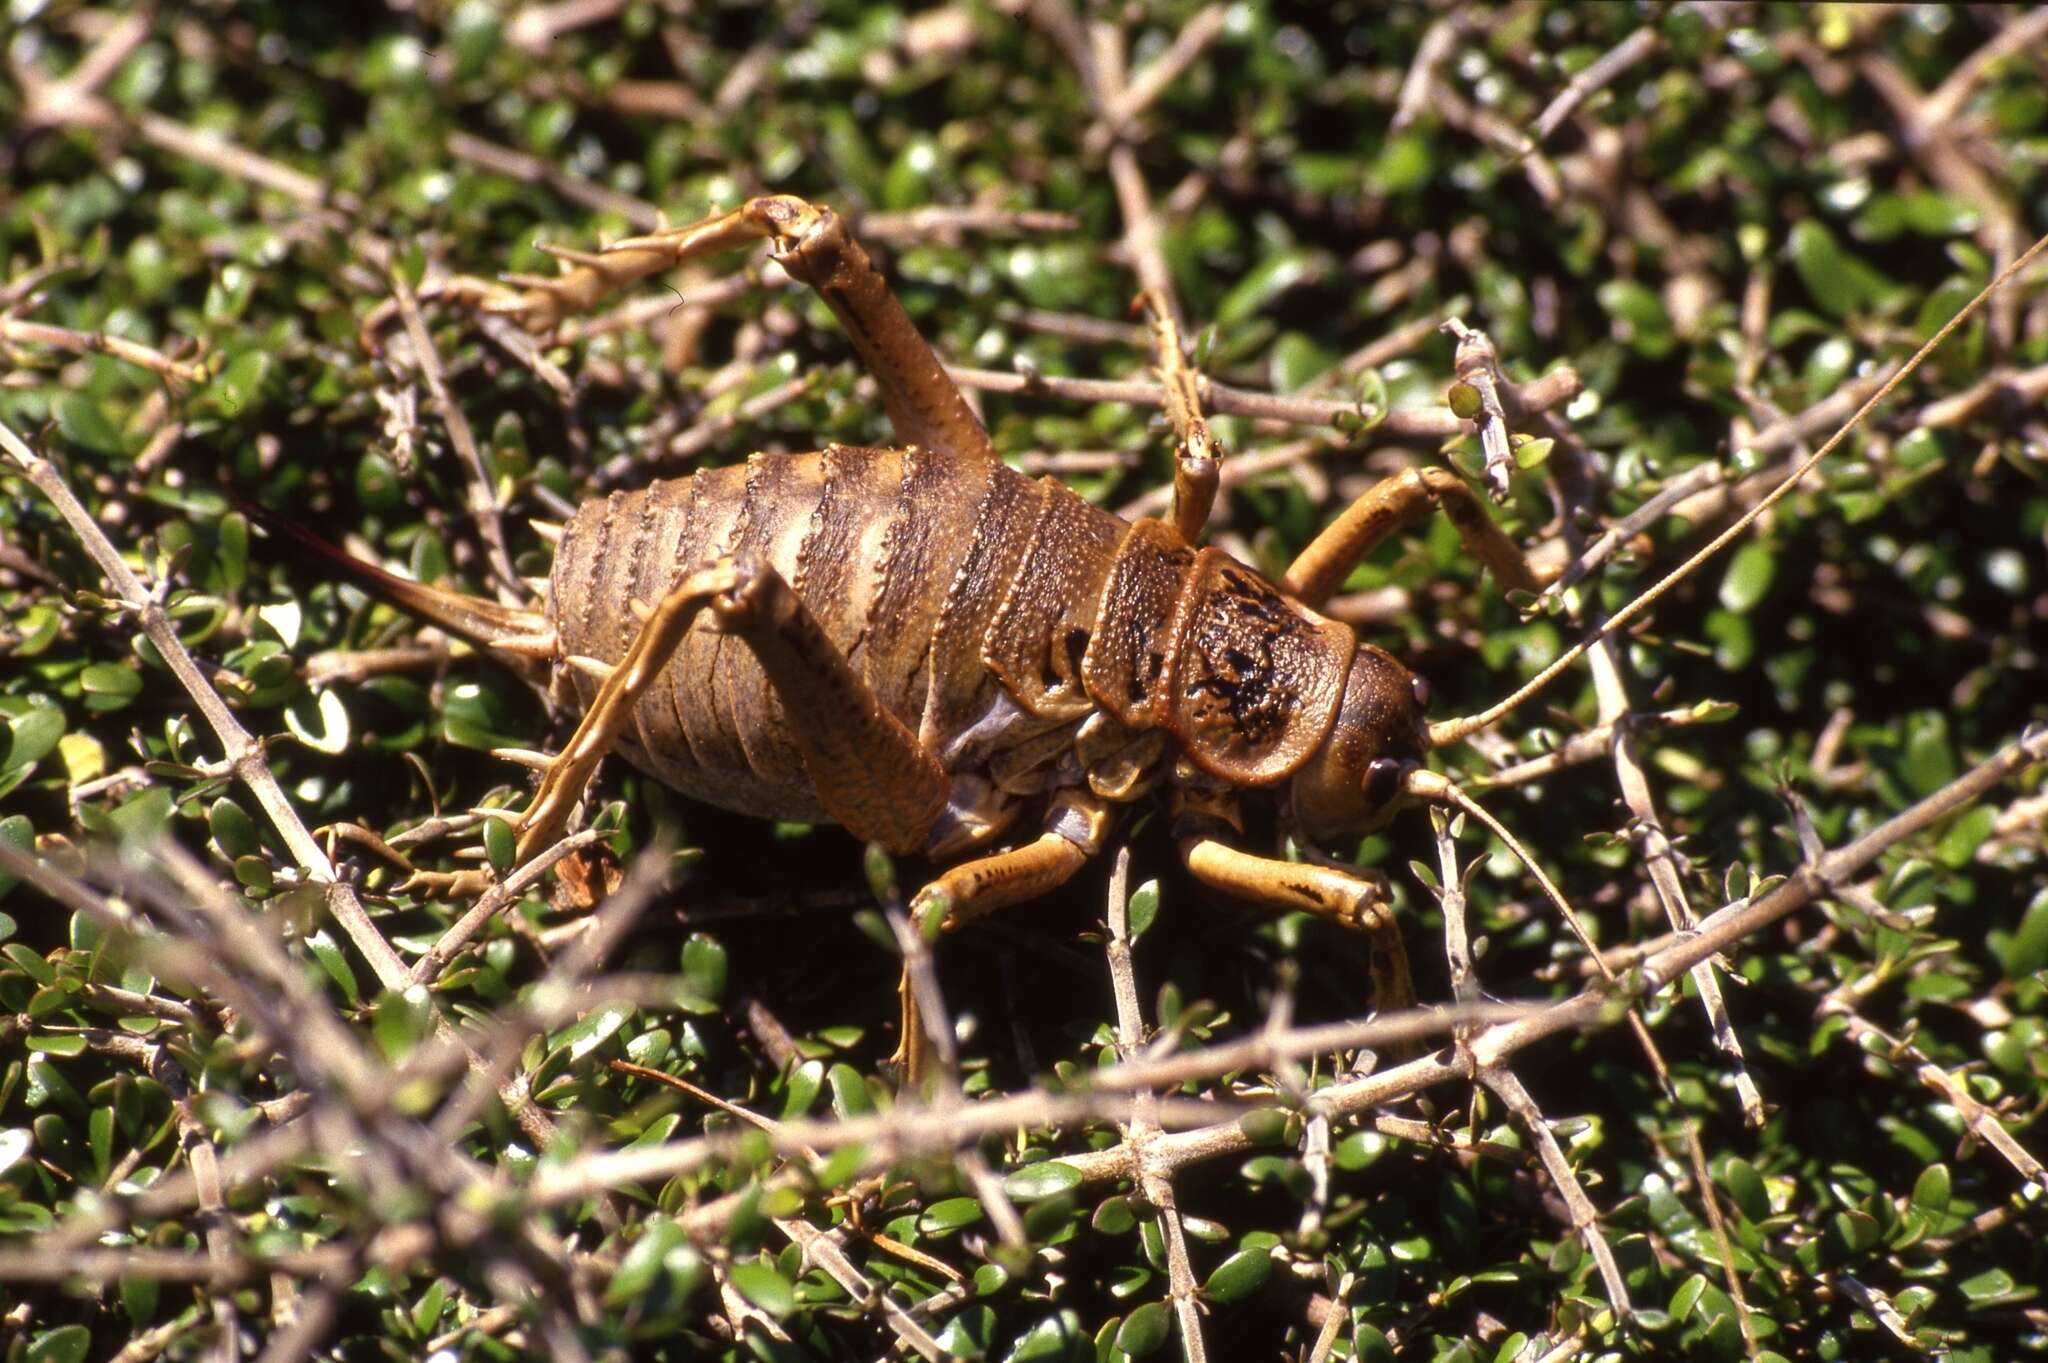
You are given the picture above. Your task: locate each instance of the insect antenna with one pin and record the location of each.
(1424, 784)
(522, 633)
(1455, 730)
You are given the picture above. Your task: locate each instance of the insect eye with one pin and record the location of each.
(1382, 779)
(1418, 687)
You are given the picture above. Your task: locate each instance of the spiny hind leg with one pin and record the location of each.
(1075, 827)
(1344, 898)
(865, 766)
(811, 243)
(1197, 453)
(1393, 504)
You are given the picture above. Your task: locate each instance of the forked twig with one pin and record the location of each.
(1155, 1182)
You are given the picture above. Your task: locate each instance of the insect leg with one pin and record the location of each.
(866, 767)
(1075, 826)
(1326, 891)
(1391, 505)
(811, 243)
(1197, 453)
(563, 783)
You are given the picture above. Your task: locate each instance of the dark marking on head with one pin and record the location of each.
(1236, 646)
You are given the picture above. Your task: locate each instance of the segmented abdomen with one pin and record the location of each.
(942, 584)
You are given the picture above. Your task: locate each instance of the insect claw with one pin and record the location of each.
(525, 757)
(641, 610)
(551, 531)
(589, 666)
(537, 585)
(541, 646)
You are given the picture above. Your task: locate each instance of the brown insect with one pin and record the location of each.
(924, 646)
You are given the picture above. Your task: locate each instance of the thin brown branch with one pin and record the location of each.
(1593, 744)
(1599, 73)
(19, 332)
(484, 502)
(494, 901)
(1537, 395)
(1156, 1183)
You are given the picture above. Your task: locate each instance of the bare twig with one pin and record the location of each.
(1437, 423)
(1156, 1183)
(16, 331)
(1598, 74)
(484, 502)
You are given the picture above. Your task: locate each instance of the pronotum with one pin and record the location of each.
(931, 649)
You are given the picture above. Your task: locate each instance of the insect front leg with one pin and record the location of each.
(1343, 897)
(1075, 827)
(1393, 504)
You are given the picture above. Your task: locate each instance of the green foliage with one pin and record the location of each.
(1741, 226)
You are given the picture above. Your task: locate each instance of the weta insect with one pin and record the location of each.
(921, 644)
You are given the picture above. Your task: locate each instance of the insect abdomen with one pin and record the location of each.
(911, 567)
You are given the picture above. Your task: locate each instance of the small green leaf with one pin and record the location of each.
(32, 734)
(595, 1029)
(84, 422)
(2023, 954)
(849, 1091)
(144, 815)
(1748, 578)
(1145, 1329)
(1747, 1188)
(1931, 1190)
(25, 957)
(234, 832)
(65, 1344)
(1966, 833)
(1988, 1288)
(1114, 1216)
(319, 721)
(642, 1263)
(1237, 1277)
(766, 1288)
(501, 845)
(1143, 909)
(704, 966)
(17, 832)
(110, 684)
(1358, 1150)
(1840, 281)
(334, 961)
(426, 1312)
(805, 1082)
(1268, 279)
(1036, 1182)
(955, 1213)
(1928, 763)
